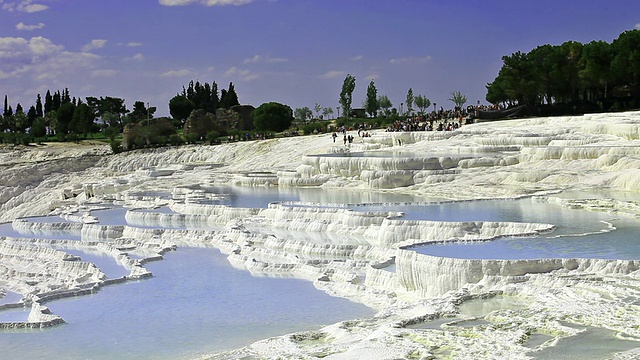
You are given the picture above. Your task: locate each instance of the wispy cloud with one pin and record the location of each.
(94, 44)
(332, 74)
(203, 2)
(134, 44)
(24, 6)
(411, 59)
(25, 27)
(137, 57)
(357, 58)
(242, 74)
(264, 59)
(372, 77)
(177, 73)
(103, 73)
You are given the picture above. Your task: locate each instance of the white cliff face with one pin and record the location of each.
(363, 256)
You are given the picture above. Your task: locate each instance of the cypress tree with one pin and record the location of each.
(232, 97)
(55, 104)
(38, 108)
(48, 102)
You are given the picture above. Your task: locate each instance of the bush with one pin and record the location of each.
(191, 137)
(175, 139)
(25, 139)
(115, 146)
(311, 127)
(160, 140)
(212, 137)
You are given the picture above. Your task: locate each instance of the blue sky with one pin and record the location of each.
(296, 52)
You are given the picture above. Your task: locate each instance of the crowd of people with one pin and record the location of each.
(442, 120)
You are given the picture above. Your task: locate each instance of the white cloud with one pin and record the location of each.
(24, 6)
(39, 59)
(137, 57)
(25, 27)
(411, 59)
(103, 73)
(134, 44)
(203, 2)
(356, 58)
(372, 77)
(332, 74)
(264, 59)
(177, 73)
(94, 44)
(242, 74)
(638, 26)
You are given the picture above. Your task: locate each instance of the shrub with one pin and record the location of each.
(212, 137)
(115, 146)
(175, 139)
(191, 137)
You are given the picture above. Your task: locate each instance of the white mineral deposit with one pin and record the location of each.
(140, 208)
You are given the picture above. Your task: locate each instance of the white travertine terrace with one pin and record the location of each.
(363, 256)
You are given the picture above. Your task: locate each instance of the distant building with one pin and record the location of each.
(358, 113)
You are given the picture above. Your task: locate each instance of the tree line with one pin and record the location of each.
(597, 76)
(375, 105)
(62, 117)
(201, 96)
(67, 118)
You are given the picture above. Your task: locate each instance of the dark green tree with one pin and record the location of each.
(625, 65)
(38, 129)
(272, 116)
(64, 116)
(82, 120)
(109, 109)
(385, 104)
(140, 112)
(458, 99)
(303, 113)
(595, 69)
(409, 101)
(56, 102)
(48, 102)
(65, 98)
(371, 103)
(20, 122)
(31, 116)
(5, 112)
(346, 94)
(229, 97)
(423, 103)
(180, 107)
(39, 110)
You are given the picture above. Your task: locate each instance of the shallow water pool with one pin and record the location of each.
(196, 304)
